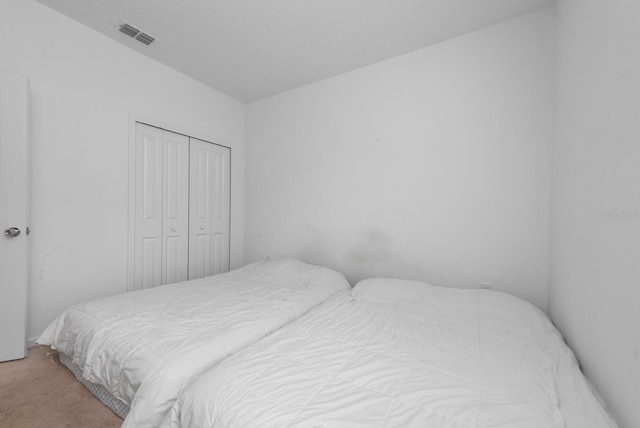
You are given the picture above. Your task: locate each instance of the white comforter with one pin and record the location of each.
(401, 354)
(146, 346)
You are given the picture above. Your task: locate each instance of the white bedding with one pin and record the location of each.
(145, 346)
(397, 353)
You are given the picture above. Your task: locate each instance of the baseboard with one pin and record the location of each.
(31, 342)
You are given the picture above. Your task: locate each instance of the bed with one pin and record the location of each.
(394, 353)
(137, 351)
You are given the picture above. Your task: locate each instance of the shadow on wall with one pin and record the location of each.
(367, 253)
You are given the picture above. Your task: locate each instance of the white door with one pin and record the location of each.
(14, 204)
(181, 198)
(161, 207)
(147, 245)
(209, 196)
(175, 207)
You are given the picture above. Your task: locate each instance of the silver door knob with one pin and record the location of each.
(12, 232)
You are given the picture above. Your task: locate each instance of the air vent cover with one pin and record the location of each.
(132, 31)
(144, 38)
(129, 30)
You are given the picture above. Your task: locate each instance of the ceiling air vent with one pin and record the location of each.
(144, 38)
(132, 31)
(129, 30)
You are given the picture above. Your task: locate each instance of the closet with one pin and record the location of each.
(181, 208)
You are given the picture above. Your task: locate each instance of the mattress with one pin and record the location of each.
(100, 392)
(144, 347)
(396, 353)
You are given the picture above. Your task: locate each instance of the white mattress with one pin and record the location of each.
(99, 391)
(397, 353)
(145, 346)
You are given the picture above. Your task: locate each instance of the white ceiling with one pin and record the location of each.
(250, 49)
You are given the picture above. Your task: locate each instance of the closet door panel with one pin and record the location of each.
(220, 255)
(200, 201)
(220, 220)
(209, 209)
(148, 207)
(200, 256)
(221, 207)
(175, 227)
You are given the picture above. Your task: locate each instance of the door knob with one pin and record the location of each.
(12, 232)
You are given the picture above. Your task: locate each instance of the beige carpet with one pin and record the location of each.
(40, 392)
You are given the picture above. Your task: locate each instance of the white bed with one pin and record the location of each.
(396, 353)
(145, 347)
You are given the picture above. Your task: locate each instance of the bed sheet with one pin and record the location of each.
(145, 346)
(397, 353)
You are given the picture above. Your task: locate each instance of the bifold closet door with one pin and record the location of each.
(209, 196)
(161, 247)
(175, 208)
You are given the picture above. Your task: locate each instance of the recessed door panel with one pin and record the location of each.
(172, 260)
(219, 204)
(200, 256)
(150, 272)
(151, 157)
(219, 259)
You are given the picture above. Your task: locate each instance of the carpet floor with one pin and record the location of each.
(39, 392)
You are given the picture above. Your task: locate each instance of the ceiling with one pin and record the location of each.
(251, 49)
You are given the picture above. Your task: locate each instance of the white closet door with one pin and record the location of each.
(175, 220)
(161, 247)
(209, 194)
(148, 207)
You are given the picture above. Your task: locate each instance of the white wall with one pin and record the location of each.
(83, 88)
(595, 258)
(433, 165)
